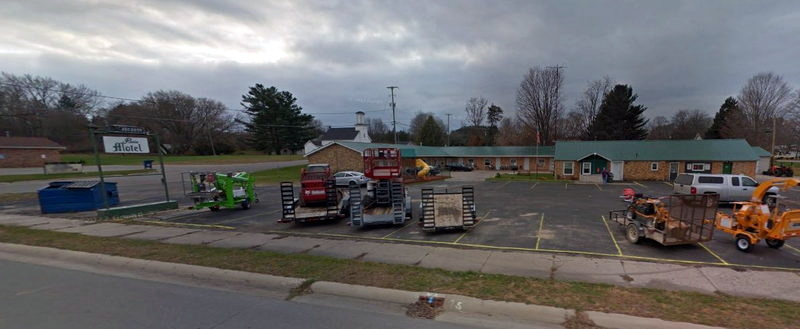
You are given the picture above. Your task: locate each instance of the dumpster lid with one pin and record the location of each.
(83, 184)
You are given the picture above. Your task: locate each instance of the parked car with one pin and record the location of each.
(435, 171)
(458, 167)
(729, 187)
(782, 171)
(344, 178)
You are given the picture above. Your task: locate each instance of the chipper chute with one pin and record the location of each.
(673, 220)
(215, 190)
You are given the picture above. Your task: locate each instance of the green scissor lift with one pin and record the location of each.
(214, 190)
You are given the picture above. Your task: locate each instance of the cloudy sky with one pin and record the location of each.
(338, 56)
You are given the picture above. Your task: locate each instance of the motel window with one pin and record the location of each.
(513, 162)
(471, 163)
(539, 162)
(487, 162)
(568, 170)
(653, 166)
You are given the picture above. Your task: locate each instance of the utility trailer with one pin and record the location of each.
(386, 199)
(334, 207)
(445, 210)
(674, 220)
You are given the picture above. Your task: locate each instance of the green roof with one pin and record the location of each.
(453, 151)
(658, 150)
(761, 152)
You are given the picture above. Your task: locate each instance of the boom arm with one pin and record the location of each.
(782, 183)
(425, 168)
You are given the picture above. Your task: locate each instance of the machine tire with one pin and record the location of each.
(213, 208)
(774, 243)
(632, 233)
(743, 243)
(246, 204)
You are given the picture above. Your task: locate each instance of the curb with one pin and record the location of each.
(149, 269)
(453, 303)
(622, 321)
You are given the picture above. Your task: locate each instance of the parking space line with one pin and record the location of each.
(472, 228)
(250, 216)
(793, 248)
(597, 186)
(637, 183)
(188, 224)
(669, 184)
(713, 253)
(619, 251)
(539, 233)
(397, 230)
(577, 252)
(534, 185)
(565, 186)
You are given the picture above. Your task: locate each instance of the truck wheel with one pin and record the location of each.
(743, 243)
(632, 233)
(774, 243)
(246, 204)
(213, 208)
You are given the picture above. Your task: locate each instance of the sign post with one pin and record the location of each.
(122, 141)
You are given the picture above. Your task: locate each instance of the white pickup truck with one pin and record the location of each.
(729, 187)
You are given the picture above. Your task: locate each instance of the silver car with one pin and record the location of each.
(729, 187)
(344, 178)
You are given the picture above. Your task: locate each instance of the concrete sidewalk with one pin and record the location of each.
(86, 169)
(628, 273)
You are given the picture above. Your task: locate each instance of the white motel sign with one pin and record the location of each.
(114, 144)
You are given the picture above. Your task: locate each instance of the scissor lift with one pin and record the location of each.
(386, 200)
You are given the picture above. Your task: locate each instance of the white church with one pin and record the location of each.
(346, 134)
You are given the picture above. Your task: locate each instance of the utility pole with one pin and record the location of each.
(550, 134)
(448, 129)
(772, 151)
(394, 120)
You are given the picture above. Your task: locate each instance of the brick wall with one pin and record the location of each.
(339, 158)
(559, 170)
(641, 170)
(17, 158)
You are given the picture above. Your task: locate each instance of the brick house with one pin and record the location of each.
(653, 160)
(16, 152)
(343, 155)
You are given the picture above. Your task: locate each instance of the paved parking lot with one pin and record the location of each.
(546, 217)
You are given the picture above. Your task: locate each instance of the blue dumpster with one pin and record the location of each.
(67, 196)
(148, 164)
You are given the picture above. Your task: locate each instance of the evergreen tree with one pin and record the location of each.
(431, 133)
(493, 115)
(276, 122)
(618, 118)
(725, 111)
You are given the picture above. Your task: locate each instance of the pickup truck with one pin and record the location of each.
(730, 188)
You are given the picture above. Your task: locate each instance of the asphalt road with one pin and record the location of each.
(148, 188)
(34, 296)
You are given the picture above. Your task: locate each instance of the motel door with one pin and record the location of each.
(673, 170)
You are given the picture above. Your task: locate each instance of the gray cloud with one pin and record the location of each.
(338, 56)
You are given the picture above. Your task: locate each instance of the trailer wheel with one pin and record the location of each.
(632, 233)
(246, 204)
(743, 243)
(774, 243)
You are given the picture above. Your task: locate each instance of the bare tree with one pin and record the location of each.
(512, 132)
(686, 124)
(571, 126)
(589, 103)
(475, 107)
(659, 128)
(764, 97)
(540, 102)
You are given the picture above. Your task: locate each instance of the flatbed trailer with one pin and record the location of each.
(334, 207)
(447, 210)
(365, 211)
(681, 219)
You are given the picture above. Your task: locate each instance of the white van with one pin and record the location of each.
(729, 187)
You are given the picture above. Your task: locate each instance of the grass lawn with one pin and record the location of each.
(20, 178)
(136, 159)
(524, 177)
(717, 310)
(791, 164)
(285, 174)
(16, 197)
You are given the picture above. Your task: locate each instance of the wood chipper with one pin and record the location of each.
(753, 220)
(215, 190)
(386, 200)
(673, 220)
(447, 210)
(335, 204)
